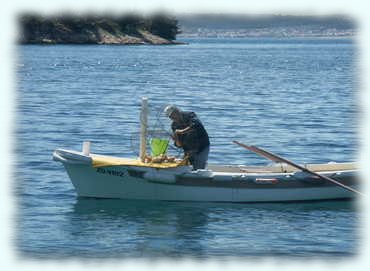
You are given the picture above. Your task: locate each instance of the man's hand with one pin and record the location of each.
(183, 131)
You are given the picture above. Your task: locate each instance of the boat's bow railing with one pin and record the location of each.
(71, 157)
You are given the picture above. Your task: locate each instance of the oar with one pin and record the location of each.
(277, 158)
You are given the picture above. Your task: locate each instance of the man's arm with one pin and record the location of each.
(176, 140)
(193, 122)
(182, 131)
(175, 136)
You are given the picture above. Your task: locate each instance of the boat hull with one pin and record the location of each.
(126, 182)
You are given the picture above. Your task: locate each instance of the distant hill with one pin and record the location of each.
(94, 29)
(221, 25)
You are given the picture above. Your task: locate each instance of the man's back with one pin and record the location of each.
(197, 138)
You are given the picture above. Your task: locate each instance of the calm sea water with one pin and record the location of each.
(294, 97)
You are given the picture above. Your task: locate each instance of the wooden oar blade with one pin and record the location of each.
(258, 151)
(266, 154)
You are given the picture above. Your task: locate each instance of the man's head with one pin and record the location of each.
(172, 112)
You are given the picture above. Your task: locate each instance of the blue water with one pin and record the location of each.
(295, 97)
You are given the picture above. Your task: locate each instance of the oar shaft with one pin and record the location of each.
(277, 158)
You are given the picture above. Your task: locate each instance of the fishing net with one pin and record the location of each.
(159, 142)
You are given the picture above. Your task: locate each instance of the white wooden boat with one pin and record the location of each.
(102, 176)
(93, 177)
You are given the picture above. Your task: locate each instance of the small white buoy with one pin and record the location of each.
(86, 148)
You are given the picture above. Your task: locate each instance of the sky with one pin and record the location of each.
(357, 9)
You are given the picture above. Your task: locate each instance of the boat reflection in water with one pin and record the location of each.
(158, 229)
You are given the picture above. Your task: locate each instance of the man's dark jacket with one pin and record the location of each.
(197, 138)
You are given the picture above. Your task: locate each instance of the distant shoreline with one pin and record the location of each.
(271, 33)
(183, 40)
(171, 43)
(266, 26)
(180, 37)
